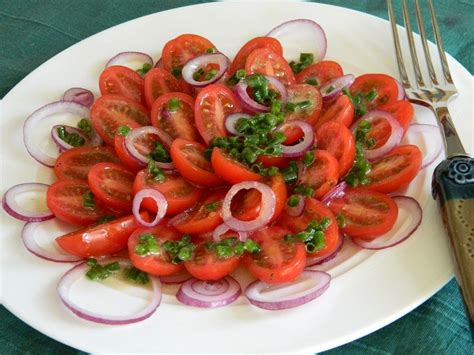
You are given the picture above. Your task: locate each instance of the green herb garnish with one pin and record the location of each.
(312, 81)
(293, 200)
(341, 220)
(124, 131)
(181, 250)
(88, 200)
(160, 154)
(85, 125)
(105, 219)
(147, 245)
(144, 69)
(230, 247)
(290, 173)
(306, 59)
(298, 106)
(313, 236)
(100, 272)
(176, 72)
(304, 190)
(212, 206)
(155, 172)
(174, 104)
(73, 139)
(135, 275)
(308, 158)
(361, 168)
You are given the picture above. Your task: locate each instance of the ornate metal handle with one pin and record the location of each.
(452, 142)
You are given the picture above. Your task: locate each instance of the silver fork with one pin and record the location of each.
(453, 179)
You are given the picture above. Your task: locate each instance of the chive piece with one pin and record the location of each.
(198, 74)
(174, 104)
(88, 200)
(147, 245)
(304, 190)
(240, 74)
(210, 74)
(156, 173)
(341, 220)
(160, 154)
(306, 59)
(98, 272)
(313, 236)
(308, 158)
(85, 125)
(371, 95)
(212, 206)
(312, 81)
(290, 173)
(361, 168)
(181, 250)
(73, 139)
(293, 201)
(176, 72)
(124, 131)
(144, 69)
(211, 50)
(105, 219)
(358, 100)
(330, 89)
(298, 106)
(136, 275)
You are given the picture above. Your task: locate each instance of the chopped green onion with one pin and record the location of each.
(144, 69)
(73, 139)
(304, 190)
(341, 220)
(306, 59)
(124, 131)
(313, 236)
(312, 81)
(136, 275)
(98, 272)
(85, 125)
(155, 172)
(181, 250)
(174, 104)
(212, 206)
(298, 106)
(371, 95)
(147, 245)
(293, 201)
(105, 219)
(308, 158)
(160, 154)
(177, 72)
(211, 50)
(88, 200)
(240, 74)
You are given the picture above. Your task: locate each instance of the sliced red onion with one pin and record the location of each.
(33, 230)
(409, 218)
(79, 271)
(307, 141)
(298, 209)
(177, 278)
(224, 228)
(201, 62)
(159, 63)
(318, 260)
(31, 125)
(232, 119)
(267, 208)
(62, 145)
(18, 211)
(250, 104)
(395, 135)
(308, 286)
(133, 60)
(334, 87)
(337, 191)
(209, 294)
(80, 95)
(431, 145)
(401, 91)
(298, 35)
(161, 204)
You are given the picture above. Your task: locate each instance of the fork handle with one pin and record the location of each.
(452, 142)
(453, 187)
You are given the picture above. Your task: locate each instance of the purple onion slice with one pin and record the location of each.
(250, 104)
(224, 228)
(80, 95)
(296, 210)
(334, 87)
(209, 294)
(232, 119)
(177, 278)
(201, 62)
(318, 260)
(161, 204)
(431, 142)
(133, 60)
(37, 193)
(63, 145)
(307, 141)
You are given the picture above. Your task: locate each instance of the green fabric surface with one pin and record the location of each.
(33, 31)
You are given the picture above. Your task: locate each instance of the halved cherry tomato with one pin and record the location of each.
(66, 200)
(109, 112)
(314, 210)
(319, 73)
(101, 239)
(203, 217)
(231, 170)
(278, 261)
(270, 160)
(206, 265)
(181, 49)
(265, 61)
(188, 158)
(158, 82)
(336, 138)
(178, 123)
(379, 132)
(120, 80)
(402, 110)
(75, 163)
(340, 110)
(159, 264)
(322, 174)
(385, 87)
(396, 169)
(179, 193)
(112, 185)
(213, 104)
(367, 214)
(125, 157)
(255, 43)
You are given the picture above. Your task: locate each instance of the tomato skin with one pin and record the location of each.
(368, 214)
(340, 110)
(385, 86)
(265, 61)
(188, 158)
(322, 71)
(124, 156)
(208, 266)
(322, 175)
(158, 82)
(278, 261)
(269, 161)
(402, 110)
(160, 264)
(100, 240)
(75, 163)
(231, 170)
(121, 80)
(396, 169)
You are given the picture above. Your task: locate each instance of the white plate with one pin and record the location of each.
(368, 291)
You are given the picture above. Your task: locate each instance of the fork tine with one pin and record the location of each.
(421, 28)
(439, 43)
(411, 43)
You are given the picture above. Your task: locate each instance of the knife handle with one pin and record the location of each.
(453, 187)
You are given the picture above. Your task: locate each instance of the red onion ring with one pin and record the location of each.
(297, 150)
(394, 139)
(30, 232)
(11, 206)
(78, 271)
(224, 228)
(337, 191)
(298, 209)
(250, 104)
(302, 33)
(232, 119)
(30, 126)
(267, 208)
(318, 260)
(62, 145)
(80, 95)
(161, 203)
(177, 278)
(308, 286)
(334, 87)
(401, 91)
(159, 63)
(126, 58)
(209, 294)
(200, 62)
(410, 215)
(431, 147)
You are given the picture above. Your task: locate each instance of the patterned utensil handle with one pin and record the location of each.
(453, 186)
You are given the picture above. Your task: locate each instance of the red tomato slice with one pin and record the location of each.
(158, 82)
(110, 112)
(120, 80)
(314, 210)
(188, 158)
(206, 265)
(75, 163)
(396, 169)
(367, 214)
(322, 175)
(402, 111)
(265, 61)
(319, 73)
(179, 193)
(158, 264)
(213, 104)
(255, 43)
(278, 261)
(384, 85)
(177, 123)
(379, 132)
(66, 200)
(231, 170)
(125, 157)
(270, 160)
(340, 110)
(112, 185)
(336, 138)
(100, 240)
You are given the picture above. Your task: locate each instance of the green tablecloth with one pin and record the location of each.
(33, 31)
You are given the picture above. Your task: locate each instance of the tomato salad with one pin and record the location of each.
(199, 165)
